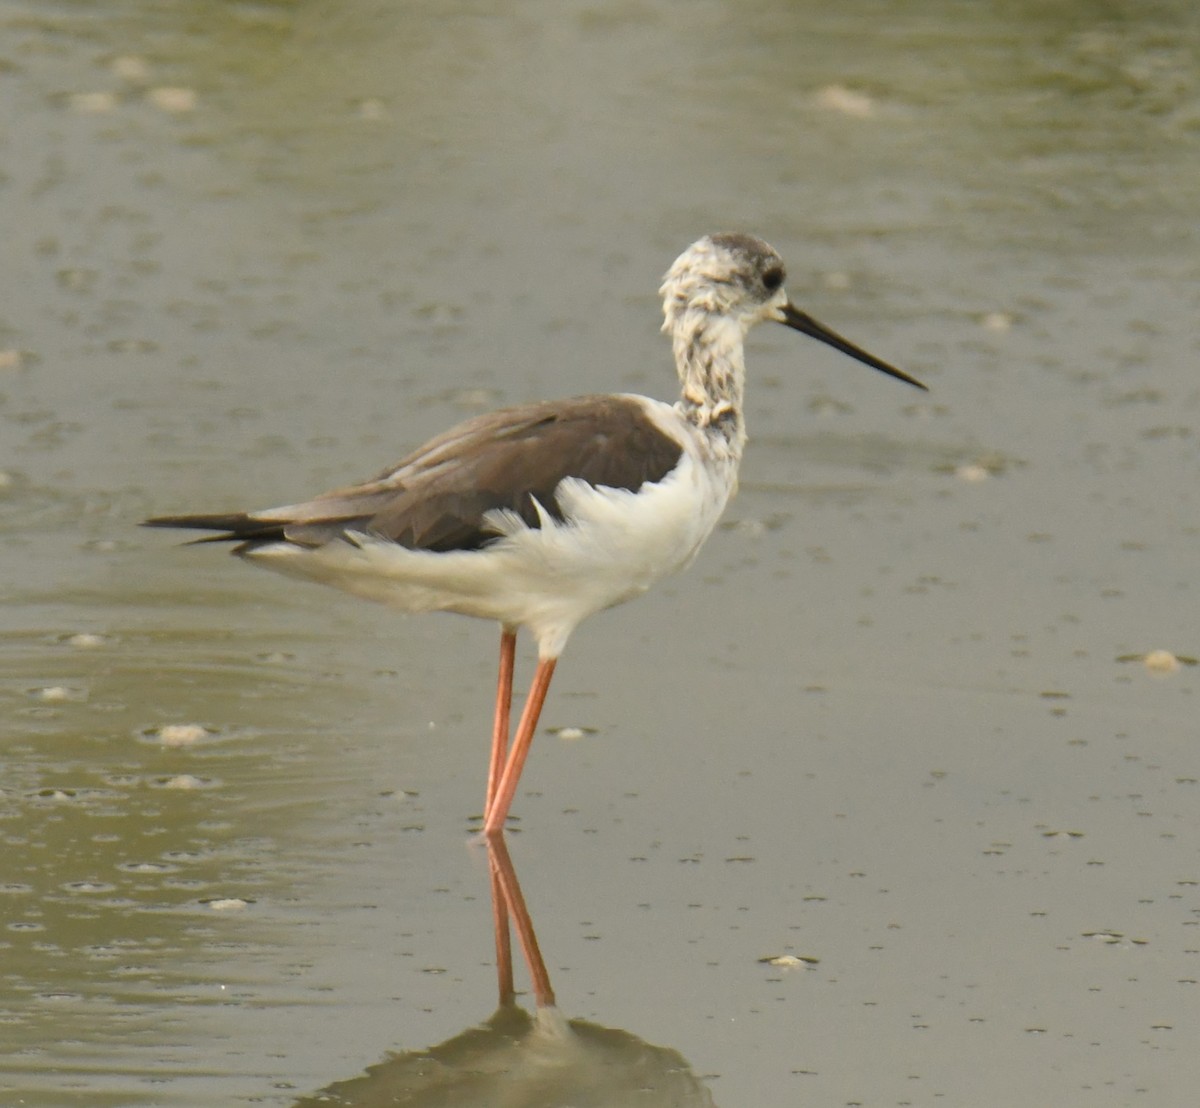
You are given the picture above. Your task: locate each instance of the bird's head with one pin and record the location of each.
(738, 279)
(732, 276)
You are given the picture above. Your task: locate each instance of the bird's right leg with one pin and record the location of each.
(504, 881)
(504, 967)
(501, 720)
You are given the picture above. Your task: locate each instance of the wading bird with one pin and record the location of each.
(539, 515)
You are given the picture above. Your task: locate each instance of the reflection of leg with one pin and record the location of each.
(504, 968)
(500, 723)
(497, 813)
(504, 874)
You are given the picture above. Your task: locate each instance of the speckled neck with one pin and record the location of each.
(710, 361)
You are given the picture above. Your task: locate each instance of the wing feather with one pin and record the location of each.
(438, 497)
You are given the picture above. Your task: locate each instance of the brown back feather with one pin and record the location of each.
(437, 497)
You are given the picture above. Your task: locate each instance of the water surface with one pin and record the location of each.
(895, 720)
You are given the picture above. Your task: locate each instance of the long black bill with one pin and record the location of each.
(801, 321)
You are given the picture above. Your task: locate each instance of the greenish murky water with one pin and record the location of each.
(898, 719)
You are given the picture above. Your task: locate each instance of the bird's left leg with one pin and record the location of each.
(493, 823)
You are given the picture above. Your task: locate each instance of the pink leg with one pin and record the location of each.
(504, 968)
(505, 876)
(493, 823)
(500, 723)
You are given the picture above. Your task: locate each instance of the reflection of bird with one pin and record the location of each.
(523, 1060)
(540, 515)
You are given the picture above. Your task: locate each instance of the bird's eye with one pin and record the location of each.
(772, 279)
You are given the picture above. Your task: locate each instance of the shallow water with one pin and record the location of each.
(895, 719)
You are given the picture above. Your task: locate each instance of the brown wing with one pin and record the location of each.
(436, 498)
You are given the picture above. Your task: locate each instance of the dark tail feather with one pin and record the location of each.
(235, 528)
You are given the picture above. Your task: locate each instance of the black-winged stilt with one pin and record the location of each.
(538, 516)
